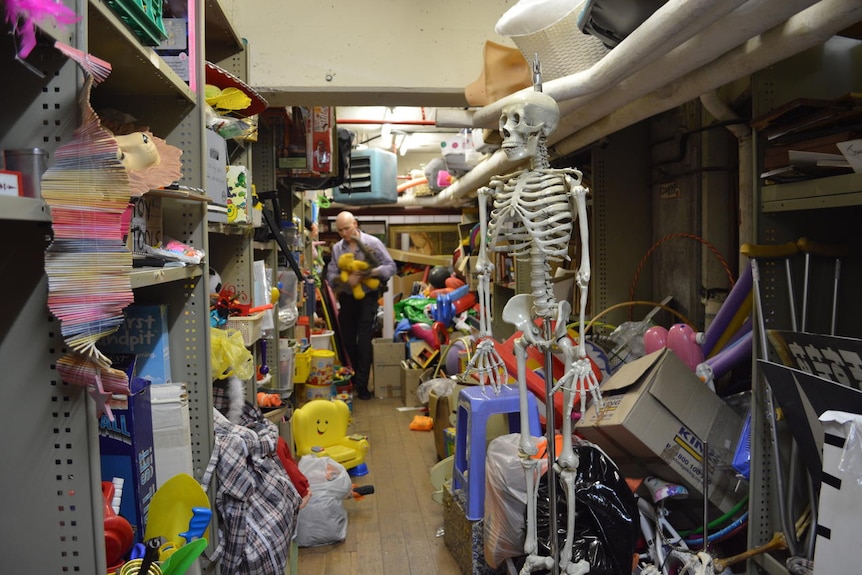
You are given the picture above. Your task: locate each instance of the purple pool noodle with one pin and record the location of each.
(728, 309)
(743, 331)
(731, 356)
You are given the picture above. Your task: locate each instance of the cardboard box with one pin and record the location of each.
(239, 200)
(144, 334)
(655, 416)
(403, 285)
(387, 381)
(145, 227)
(411, 377)
(172, 444)
(216, 163)
(388, 356)
(126, 447)
(388, 352)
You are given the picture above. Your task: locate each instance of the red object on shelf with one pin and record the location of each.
(221, 78)
(535, 373)
(119, 537)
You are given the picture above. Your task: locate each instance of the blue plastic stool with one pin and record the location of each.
(475, 406)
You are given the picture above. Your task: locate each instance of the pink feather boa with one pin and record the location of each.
(24, 15)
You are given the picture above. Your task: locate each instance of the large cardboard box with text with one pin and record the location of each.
(654, 419)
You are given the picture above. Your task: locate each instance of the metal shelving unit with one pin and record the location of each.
(50, 487)
(826, 209)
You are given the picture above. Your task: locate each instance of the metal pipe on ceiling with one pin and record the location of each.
(807, 29)
(746, 40)
(669, 26)
(748, 21)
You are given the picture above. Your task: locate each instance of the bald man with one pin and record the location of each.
(356, 316)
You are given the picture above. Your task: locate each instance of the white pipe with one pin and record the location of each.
(745, 23)
(670, 25)
(722, 112)
(804, 30)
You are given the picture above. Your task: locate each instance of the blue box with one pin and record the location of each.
(144, 334)
(126, 448)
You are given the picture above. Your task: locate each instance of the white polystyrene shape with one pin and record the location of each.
(531, 16)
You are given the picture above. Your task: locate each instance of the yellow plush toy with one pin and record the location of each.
(348, 264)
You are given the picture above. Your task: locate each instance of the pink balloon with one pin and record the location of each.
(682, 340)
(655, 339)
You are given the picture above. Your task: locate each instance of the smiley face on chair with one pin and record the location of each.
(320, 429)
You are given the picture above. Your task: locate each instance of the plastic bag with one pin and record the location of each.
(505, 500)
(629, 339)
(421, 423)
(441, 386)
(229, 356)
(607, 524)
(324, 519)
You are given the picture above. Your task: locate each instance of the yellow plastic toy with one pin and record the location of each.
(320, 429)
(348, 264)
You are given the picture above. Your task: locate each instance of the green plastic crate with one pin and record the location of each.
(143, 17)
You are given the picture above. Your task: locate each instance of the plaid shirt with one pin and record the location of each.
(256, 502)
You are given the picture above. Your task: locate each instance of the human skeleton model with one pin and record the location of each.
(532, 216)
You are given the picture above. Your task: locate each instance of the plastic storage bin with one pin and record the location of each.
(250, 326)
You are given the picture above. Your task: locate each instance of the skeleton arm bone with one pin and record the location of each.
(486, 364)
(579, 197)
(484, 267)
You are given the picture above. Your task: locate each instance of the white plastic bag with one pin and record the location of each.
(324, 519)
(441, 386)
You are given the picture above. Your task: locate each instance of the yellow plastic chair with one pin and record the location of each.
(320, 429)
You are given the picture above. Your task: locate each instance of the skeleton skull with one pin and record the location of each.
(531, 116)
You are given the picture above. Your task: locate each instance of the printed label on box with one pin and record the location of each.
(143, 333)
(238, 195)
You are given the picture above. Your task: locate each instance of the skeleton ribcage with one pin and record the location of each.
(530, 211)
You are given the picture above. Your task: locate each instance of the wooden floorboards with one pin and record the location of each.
(398, 529)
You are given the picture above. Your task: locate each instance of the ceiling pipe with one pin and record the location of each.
(393, 122)
(719, 110)
(809, 28)
(673, 23)
(460, 191)
(746, 22)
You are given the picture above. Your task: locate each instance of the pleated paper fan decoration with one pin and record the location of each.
(87, 264)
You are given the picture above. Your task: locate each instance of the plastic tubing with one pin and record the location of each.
(698, 541)
(728, 309)
(718, 520)
(609, 309)
(729, 357)
(736, 323)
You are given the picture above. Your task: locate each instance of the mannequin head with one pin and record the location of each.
(137, 151)
(527, 119)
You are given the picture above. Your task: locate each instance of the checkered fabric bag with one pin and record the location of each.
(256, 502)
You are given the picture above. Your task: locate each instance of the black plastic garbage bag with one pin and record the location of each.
(606, 514)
